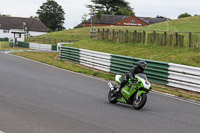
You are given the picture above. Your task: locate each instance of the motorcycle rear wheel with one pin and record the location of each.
(140, 102)
(112, 98)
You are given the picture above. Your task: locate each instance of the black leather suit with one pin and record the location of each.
(131, 74)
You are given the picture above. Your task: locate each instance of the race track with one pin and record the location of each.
(37, 98)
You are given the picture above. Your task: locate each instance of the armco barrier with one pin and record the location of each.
(4, 39)
(72, 54)
(54, 47)
(46, 47)
(185, 77)
(156, 71)
(174, 75)
(23, 44)
(96, 60)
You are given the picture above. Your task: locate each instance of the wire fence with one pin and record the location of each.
(48, 40)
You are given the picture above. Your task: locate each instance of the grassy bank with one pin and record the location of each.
(152, 52)
(188, 24)
(177, 55)
(73, 34)
(5, 46)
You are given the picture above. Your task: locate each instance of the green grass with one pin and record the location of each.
(5, 46)
(152, 52)
(177, 55)
(189, 24)
(75, 34)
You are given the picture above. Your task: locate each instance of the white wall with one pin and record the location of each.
(4, 35)
(11, 35)
(35, 33)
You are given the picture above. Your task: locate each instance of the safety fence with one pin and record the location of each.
(37, 46)
(174, 75)
(4, 39)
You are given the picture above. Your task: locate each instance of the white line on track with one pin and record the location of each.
(175, 97)
(155, 92)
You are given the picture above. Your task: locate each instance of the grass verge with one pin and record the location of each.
(5, 46)
(176, 55)
(52, 59)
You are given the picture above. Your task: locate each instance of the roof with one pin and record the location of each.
(149, 20)
(108, 19)
(32, 24)
(111, 19)
(79, 25)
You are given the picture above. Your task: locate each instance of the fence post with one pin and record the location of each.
(126, 41)
(98, 32)
(154, 37)
(108, 34)
(119, 36)
(176, 38)
(165, 38)
(144, 37)
(103, 34)
(91, 33)
(135, 36)
(123, 37)
(190, 39)
(113, 35)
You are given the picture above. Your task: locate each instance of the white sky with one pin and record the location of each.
(74, 9)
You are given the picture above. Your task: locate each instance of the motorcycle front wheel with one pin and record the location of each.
(139, 102)
(112, 98)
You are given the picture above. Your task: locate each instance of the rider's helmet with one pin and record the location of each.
(142, 65)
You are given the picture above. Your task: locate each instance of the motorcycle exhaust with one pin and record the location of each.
(110, 86)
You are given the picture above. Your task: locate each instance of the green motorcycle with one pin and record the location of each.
(133, 93)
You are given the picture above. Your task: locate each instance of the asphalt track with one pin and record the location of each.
(37, 98)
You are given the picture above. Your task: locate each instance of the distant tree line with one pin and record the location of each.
(112, 7)
(6, 15)
(184, 15)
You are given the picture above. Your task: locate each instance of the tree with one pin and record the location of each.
(52, 15)
(5, 15)
(99, 15)
(33, 16)
(84, 17)
(110, 6)
(124, 11)
(184, 15)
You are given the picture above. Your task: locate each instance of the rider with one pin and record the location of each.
(141, 66)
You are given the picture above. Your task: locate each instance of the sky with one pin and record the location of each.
(74, 9)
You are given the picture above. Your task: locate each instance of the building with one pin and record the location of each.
(119, 20)
(17, 28)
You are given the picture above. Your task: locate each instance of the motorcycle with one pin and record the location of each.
(134, 94)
